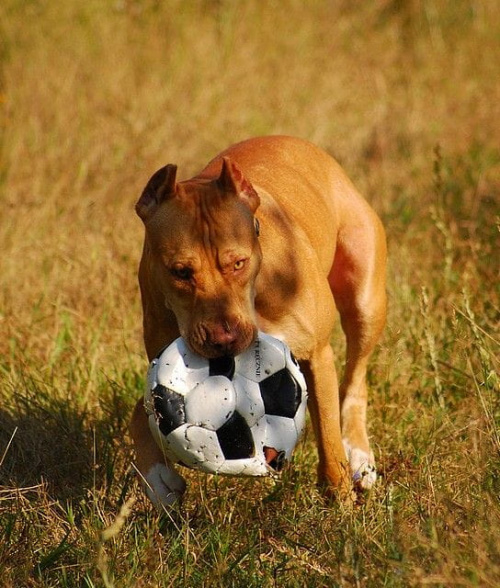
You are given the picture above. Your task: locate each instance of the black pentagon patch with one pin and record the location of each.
(222, 366)
(235, 438)
(169, 409)
(281, 394)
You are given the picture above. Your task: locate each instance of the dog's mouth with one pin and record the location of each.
(221, 340)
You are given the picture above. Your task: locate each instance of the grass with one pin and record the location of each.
(94, 97)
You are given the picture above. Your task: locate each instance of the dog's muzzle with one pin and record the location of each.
(221, 338)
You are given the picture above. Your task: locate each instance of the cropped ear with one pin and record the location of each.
(160, 187)
(232, 180)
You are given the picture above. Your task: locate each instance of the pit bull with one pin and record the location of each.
(271, 235)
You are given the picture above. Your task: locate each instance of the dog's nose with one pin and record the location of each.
(222, 336)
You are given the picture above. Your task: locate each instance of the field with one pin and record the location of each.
(94, 97)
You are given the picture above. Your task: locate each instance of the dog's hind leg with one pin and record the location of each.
(357, 280)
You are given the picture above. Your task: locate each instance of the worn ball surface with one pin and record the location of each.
(238, 415)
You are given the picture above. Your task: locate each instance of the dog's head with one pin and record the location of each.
(202, 254)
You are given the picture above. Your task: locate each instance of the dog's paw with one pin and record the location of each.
(164, 487)
(362, 463)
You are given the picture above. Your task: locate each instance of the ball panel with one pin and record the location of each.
(169, 409)
(281, 434)
(293, 366)
(249, 401)
(300, 417)
(264, 357)
(235, 438)
(211, 403)
(281, 394)
(222, 366)
(152, 376)
(254, 466)
(179, 368)
(196, 447)
(259, 435)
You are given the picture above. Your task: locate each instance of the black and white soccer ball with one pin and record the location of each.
(238, 415)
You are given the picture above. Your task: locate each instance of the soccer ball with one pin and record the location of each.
(238, 415)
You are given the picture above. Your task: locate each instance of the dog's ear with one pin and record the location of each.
(233, 181)
(160, 187)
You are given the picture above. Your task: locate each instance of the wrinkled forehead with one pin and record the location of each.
(202, 217)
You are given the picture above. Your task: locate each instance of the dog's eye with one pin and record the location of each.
(182, 272)
(240, 264)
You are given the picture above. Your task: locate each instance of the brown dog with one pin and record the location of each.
(208, 276)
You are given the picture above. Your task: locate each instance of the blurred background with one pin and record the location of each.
(95, 96)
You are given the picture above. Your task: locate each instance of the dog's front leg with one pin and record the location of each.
(164, 486)
(333, 468)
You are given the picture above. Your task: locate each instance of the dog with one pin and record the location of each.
(271, 235)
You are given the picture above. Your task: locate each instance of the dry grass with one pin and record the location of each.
(95, 96)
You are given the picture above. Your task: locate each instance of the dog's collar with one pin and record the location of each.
(257, 227)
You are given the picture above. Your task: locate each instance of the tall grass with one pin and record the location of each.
(94, 97)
